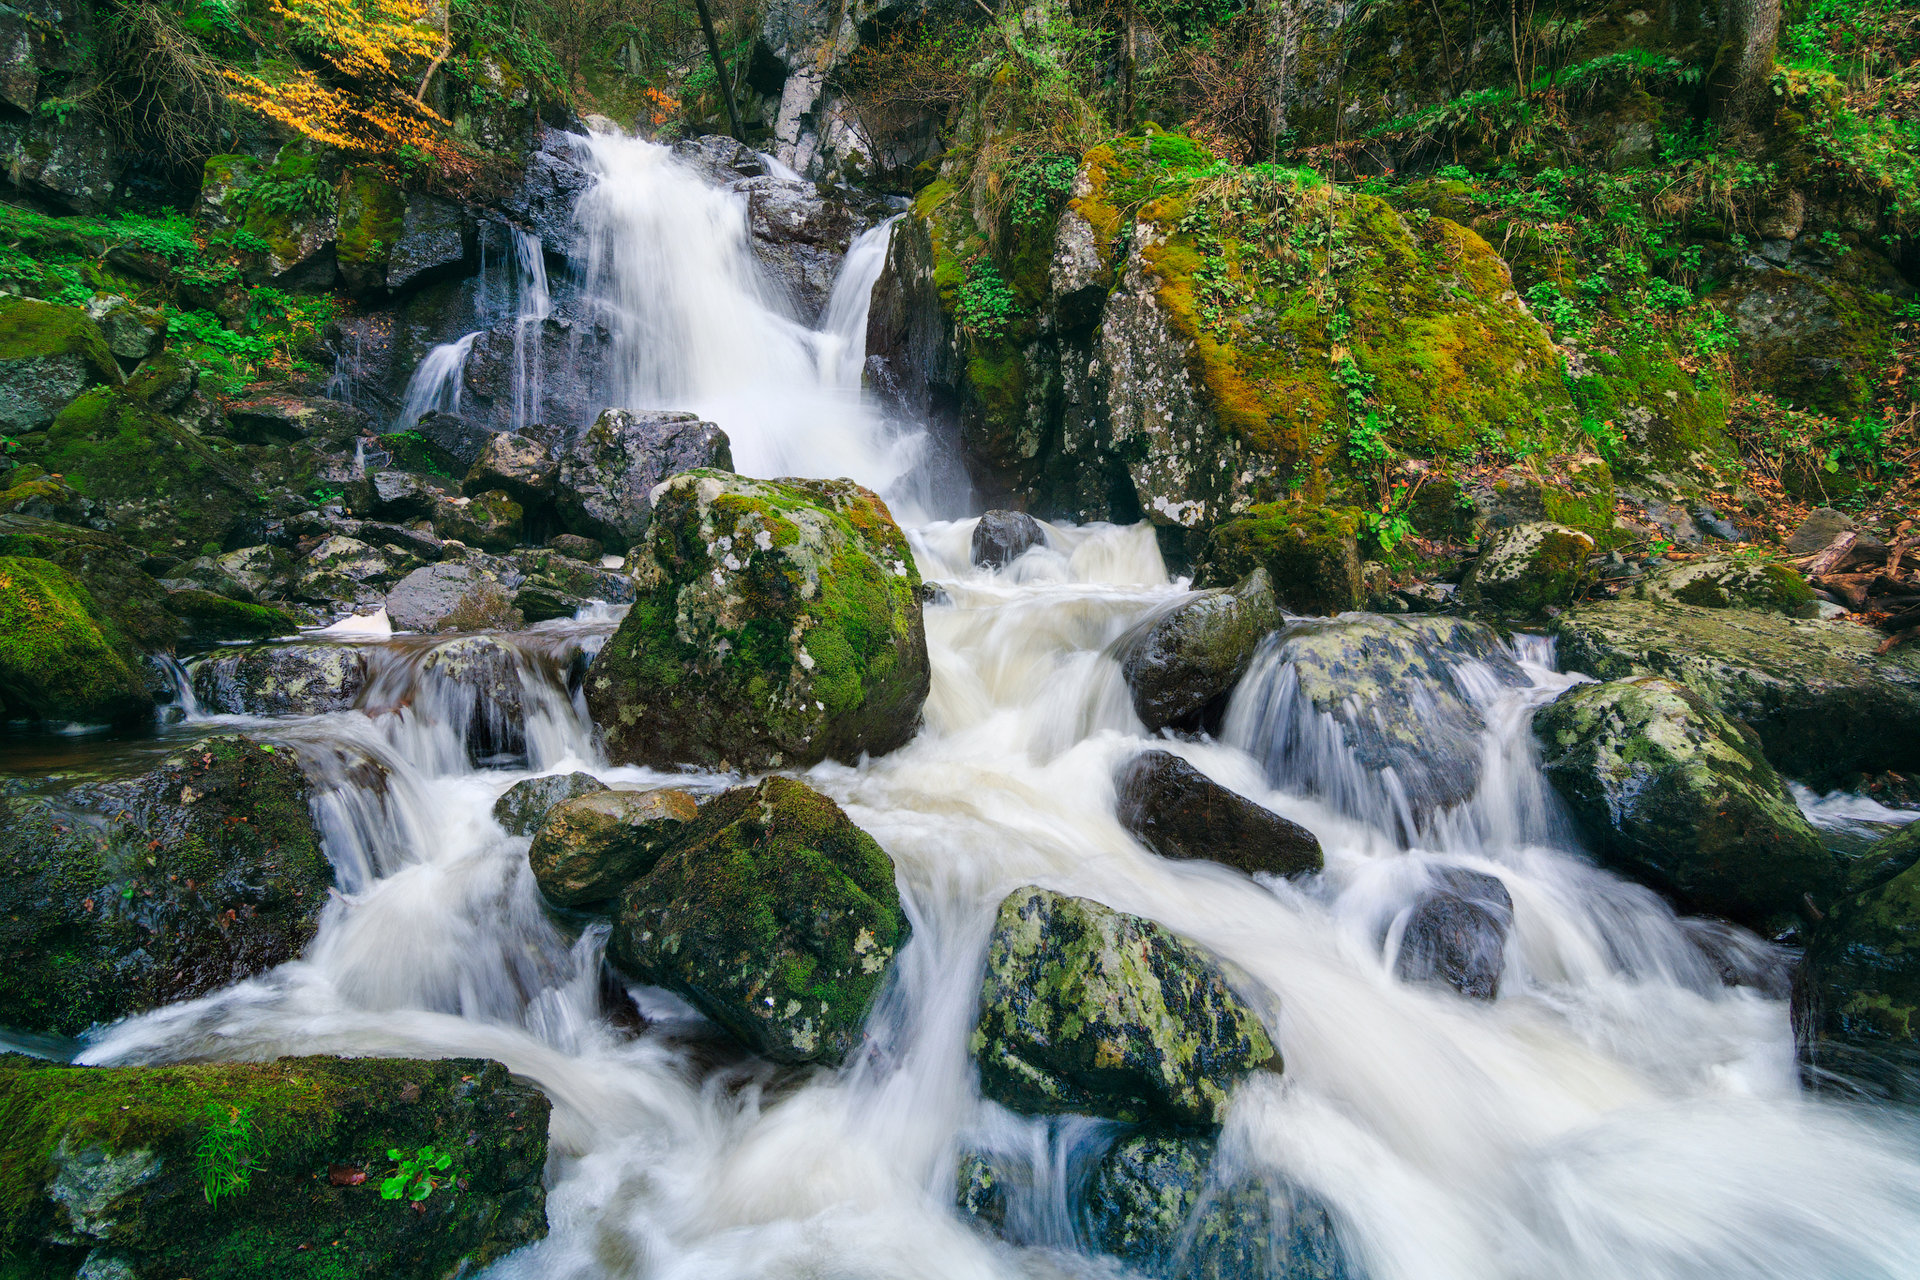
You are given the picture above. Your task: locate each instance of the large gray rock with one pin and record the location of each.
(133, 332)
(799, 238)
(1002, 537)
(1669, 790)
(1721, 582)
(608, 472)
(1179, 812)
(399, 495)
(1085, 1009)
(593, 847)
(1456, 933)
(1183, 662)
(1529, 569)
(525, 805)
(451, 597)
(48, 356)
(434, 242)
(274, 415)
(281, 680)
(68, 160)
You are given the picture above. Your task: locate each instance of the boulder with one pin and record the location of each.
(264, 572)
(557, 585)
(1721, 582)
(575, 547)
(608, 473)
(1179, 812)
(492, 520)
(451, 597)
(1822, 526)
(48, 356)
(61, 656)
(777, 624)
(775, 915)
(1184, 662)
(119, 897)
(399, 495)
(720, 160)
(280, 680)
(592, 847)
(1825, 704)
(1670, 791)
(344, 570)
(207, 618)
(474, 683)
(525, 805)
(1085, 1009)
(106, 566)
(516, 464)
(457, 442)
(281, 415)
(799, 238)
(371, 213)
(433, 243)
(107, 1175)
(1857, 991)
(133, 332)
(1002, 537)
(67, 159)
(1528, 569)
(1311, 555)
(1456, 933)
(980, 1190)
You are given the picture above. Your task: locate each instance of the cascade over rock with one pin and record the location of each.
(1457, 933)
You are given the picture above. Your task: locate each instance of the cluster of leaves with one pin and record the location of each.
(228, 1152)
(417, 1175)
(987, 307)
(1040, 184)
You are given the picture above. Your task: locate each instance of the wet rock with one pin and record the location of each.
(1087, 1010)
(775, 915)
(345, 570)
(1162, 1204)
(281, 680)
(1002, 537)
(457, 440)
(67, 160)
(607, 473)
(1823, 702)
(520, 465)
(133, 332)
(1821, 527)
(1179, 812)
(475, 682)
(525, 805)
(1182, 662)
(1457, 934)
(1311, 554)
(593, 847)
(451, 597)
(281, 416)
(433, 243)
(572, 363)
(799, 238)
(575, 547)
(48, 356)
(492, 520)
(721, 160)
(548, 190)
(1528, 569)
(1857, 991)
(777, 624)
(122, 896)
(1672, 792)
(61, 656)
(124, 1197)
(980, 1191)
(1719, 582)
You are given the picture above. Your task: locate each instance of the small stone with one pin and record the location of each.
(1002, 537)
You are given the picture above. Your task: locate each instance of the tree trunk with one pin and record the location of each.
(1737, 83)
(720, 72)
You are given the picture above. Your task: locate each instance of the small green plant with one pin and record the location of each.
(1040, 183)
(228, 1152)
(987, 306)
(417, 1176)
(293, 196)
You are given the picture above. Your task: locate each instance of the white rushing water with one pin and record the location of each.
(1617, 1112)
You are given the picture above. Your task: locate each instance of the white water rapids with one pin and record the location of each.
(1616, 1113)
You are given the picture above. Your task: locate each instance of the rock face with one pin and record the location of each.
(591, 847)
(123, 896)
(1002, 537)
(61, 656)
(1528, 569)
(1179, 812)
(526, 804)
(1719, 582)
(48, 356)
(1087, 1010)
(1457, 934)
(281, 680)
(1187, 660)
(799, 238)
(475, 683)
(1857, 992)
(777, 624)
(1824, 704)
(450, 597)
(1671, 791)
(1311, 554)
(775, 915)
(608, 473)
(104, 1178)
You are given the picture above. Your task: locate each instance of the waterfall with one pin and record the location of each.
(845, 324)
(534, 304)
(435, 385)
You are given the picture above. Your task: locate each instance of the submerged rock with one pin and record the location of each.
(1669, 790)
(1311, 554)
(607, 474)
(591, 847)
(1528, 569)
(1179, 812)
(1857, 991)
(775, 915)
(1002, 537)
(61, 656)
(122, 896)
(1085, 1009)
(281, 680)
(480, 690)
(526, 804)
(105, 1174)
(1457, 934)
(777, 624)
(1187, 660)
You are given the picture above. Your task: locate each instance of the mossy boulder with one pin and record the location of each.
(61, 656)
(1179, 812)
(491, 520)
(101, 1168)
(525, 805)
(207, 618)
(239, 191)
(1670, 791)
(1088, 1010)
(280, 680)
(1821, 343)
(1311, 554)
(1825, 704)
(1182, 664)
(372, 210)
(777, 624)
(593, 847)
(452, 597)
(106, 566)
(607, 473)
(1722, 582)
(118, 897)
(48, 356)
(775, 915)
(1529, 569)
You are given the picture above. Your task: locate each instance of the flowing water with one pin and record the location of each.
(1617, 1112)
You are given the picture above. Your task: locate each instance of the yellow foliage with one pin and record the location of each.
(350, 121)
(371, 41)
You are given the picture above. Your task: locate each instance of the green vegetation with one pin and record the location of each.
(228, 1152)
(417, 1175)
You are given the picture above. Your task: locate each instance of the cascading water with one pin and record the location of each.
(1617, 1112)
(435, 384)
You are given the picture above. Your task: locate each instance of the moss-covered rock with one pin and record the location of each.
(775, 915)
(1311, 554)
(452, 597)
(106, 566)
(61, 656)
(207, 618)
(1857, 992)
(777, 624)
(1823, 702)
(1185, 662)
(100, 1173)
(48, 356)
(492, 520)
(1670, 791)
(371, 212)
(593, 847)
(344, 570)
(1820, 342)
(1085, 1009)
(250, 195)
(526, 804)
(1528, 569)
(122, 896)
(1721, 582)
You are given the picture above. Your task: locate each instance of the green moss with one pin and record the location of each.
(31, 330)
(106, 566)
(61, 658)
(1311, 554)
(371, 214)
(213, 617)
